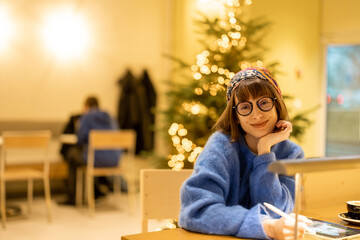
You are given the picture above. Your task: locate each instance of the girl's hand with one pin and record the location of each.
(284, 228)
(282, 132)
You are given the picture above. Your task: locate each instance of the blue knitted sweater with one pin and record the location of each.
(225, 193)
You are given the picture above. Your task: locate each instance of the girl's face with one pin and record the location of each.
(258, 123)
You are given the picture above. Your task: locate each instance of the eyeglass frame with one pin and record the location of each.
(252, 106)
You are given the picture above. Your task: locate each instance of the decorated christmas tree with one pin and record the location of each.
(230, 42)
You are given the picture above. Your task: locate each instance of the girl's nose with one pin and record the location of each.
(256, 113)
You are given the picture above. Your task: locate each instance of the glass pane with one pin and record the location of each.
(343, 100)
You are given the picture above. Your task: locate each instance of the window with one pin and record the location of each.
(343, 101)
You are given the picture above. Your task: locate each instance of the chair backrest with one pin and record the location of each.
(160, 193)
(111, 140)
(26, 140)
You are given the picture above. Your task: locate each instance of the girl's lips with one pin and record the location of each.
(259, 125)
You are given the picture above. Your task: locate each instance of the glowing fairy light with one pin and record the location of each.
(195, 109)
(179, 165)
(180, 150)
(188, 149)
(171, 164)
(214, 68)
(206, 53)
(221, 80)
(198, 91)
(235, 35)
(259, 63)
(182, 132)
(248, 2)
(230, 3)
(245, 65)
(198, 150)
(175, 139)
(180, 157)
(197, 76)
(205, 69)
(191, 159)
(224, 38)
(217, 57)
(184, 141)
(221, 71)
(194, 68)
(173, 129)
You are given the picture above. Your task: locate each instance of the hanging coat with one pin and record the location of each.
(148, 103)
(135, 109)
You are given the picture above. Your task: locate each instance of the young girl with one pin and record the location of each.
(230, 182)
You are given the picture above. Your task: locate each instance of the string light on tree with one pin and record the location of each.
(186, 149)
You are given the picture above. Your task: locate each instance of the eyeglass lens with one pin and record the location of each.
(265, 104)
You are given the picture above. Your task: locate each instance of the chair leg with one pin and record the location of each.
(117, 185)
(48, 198)
(90, 192)
(30, 194)
(79, 187)
(131, 194)
(2, 201)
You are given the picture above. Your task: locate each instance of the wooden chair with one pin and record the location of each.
(21, 140)
(108, 140)
(160, 194)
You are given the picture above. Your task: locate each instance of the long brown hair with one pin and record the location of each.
(253, 87)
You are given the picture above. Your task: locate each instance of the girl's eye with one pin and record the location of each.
(265, 102)
(244, 106)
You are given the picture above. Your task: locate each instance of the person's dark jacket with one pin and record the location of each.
(70, 128)
(96, 119)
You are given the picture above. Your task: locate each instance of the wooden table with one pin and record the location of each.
(68, 138)
(175, 234)
(329, 214)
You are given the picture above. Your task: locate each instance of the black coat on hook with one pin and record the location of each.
(136, 108)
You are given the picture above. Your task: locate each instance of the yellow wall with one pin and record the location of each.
(123, 34)
(340, 21)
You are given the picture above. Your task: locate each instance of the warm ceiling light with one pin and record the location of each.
(6, 27)
(66, 34)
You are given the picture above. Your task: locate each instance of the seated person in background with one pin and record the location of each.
(76, 156)
(71, 127)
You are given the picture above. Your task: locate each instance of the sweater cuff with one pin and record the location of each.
(264, 158)
(252, 225)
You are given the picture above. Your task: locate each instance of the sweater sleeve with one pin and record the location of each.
(205, 205)
(270, 187)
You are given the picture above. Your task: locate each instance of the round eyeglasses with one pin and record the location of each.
(265, 104)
